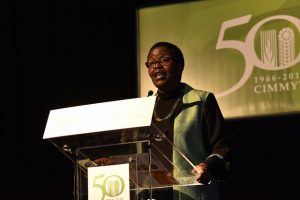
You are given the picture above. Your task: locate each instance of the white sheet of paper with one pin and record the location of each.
(114, 115)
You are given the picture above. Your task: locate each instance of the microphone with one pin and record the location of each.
(150, 93)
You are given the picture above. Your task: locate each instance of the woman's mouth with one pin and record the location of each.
(160, 75)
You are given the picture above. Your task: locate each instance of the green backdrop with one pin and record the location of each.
(245, 52)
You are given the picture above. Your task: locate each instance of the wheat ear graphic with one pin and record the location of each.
(268, 47)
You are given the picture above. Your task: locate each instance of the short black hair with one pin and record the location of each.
(177, 53)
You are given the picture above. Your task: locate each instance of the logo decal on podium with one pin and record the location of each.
(108, 182)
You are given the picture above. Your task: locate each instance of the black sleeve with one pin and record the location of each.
(219, 137)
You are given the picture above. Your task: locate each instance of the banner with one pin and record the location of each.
(245, 52)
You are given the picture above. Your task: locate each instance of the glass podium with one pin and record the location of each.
(147, 150)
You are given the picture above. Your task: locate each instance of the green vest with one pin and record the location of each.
(188, 137)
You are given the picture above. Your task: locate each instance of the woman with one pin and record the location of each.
(192, 120)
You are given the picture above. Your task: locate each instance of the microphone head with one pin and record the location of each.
(150, 93)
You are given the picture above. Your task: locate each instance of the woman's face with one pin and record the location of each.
(163, 69)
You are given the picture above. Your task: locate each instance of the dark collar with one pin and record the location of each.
(173, 94)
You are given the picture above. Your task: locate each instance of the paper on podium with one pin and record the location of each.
(107, 116)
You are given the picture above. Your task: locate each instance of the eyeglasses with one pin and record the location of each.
(161, 61)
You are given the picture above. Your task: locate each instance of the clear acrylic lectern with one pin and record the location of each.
(119, 132)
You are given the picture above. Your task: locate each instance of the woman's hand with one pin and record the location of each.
(103, 161)
(202, 173)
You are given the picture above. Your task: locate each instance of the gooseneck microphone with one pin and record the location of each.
(150, 93)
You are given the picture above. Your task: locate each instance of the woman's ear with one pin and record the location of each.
(180, 68)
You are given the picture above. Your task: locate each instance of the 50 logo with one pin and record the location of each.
(276, 37)
(112, 186)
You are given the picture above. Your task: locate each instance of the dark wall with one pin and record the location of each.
(62, 53)
(66, 53)
(265, 158)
